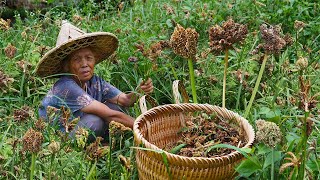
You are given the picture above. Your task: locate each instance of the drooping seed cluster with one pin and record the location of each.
(223, 37)
(184, 41)
(94, 152)
(116, 128)
(32, 141)
(307, 102)
(273, 42)
(268, 133)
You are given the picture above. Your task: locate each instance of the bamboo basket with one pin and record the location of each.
(155, 128)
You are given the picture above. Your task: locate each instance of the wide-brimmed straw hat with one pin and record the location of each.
(70, 39)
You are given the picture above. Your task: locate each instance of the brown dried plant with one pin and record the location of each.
(273, 40)
(184, 41)
(94, 152)
(293, 162)
(5, 24)
(10, 51)
(307, 102)
(225, 36)
(5, 80)
(40, 125)
(65, 120)
(21, 115)
(32, 141)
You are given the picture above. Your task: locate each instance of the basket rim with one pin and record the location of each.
(138, 136)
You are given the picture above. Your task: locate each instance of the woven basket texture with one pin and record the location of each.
(157, 127)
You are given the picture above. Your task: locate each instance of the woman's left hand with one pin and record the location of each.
(146, 86)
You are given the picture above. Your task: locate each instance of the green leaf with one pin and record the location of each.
(169, 23)
(248, 167)
(176, 149)
(268, 161)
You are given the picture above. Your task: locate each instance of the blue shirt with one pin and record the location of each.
(66, 92)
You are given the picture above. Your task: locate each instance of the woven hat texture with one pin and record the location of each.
(70, 39)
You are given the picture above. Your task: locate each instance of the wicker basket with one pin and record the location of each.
(159, 126)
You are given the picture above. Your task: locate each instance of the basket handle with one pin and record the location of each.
(143, 102)
(177, 86)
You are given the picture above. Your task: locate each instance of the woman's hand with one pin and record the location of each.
(146, 86)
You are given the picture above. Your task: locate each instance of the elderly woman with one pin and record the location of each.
(88, 96)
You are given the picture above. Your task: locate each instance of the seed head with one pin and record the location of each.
(77, 18)
(24, 65)
(307, 102)
(5, 80)
(268, 133)
(5, 25)
(222, 38)
(40, 125)
(94, 152)
(299, 25)
(54, 147)
(302, 63)
(273, 42)
(21, 115)
(184, 41)
(116, 128)
(10, 51)
(32, 141)
(156, 49)
(81, 137)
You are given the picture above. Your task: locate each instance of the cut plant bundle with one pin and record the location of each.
(184, 43)
(222, 39)
(204, 131)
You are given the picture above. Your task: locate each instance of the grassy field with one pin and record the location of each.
(279, 87)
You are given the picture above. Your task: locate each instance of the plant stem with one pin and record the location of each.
(33, 160)
(51, 163)
(272, 164)
(263, 65)
(226, 56)
(303, 147)
(173, 71)
(192, 81)
(92, 170)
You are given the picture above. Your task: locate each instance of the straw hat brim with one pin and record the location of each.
(102, 43)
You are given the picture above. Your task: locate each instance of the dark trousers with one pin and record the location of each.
(96, 125)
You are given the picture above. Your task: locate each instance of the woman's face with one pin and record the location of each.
(81, 64)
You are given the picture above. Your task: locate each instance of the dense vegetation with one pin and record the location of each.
(286, 92)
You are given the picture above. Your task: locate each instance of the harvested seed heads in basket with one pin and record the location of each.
(204, 131)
